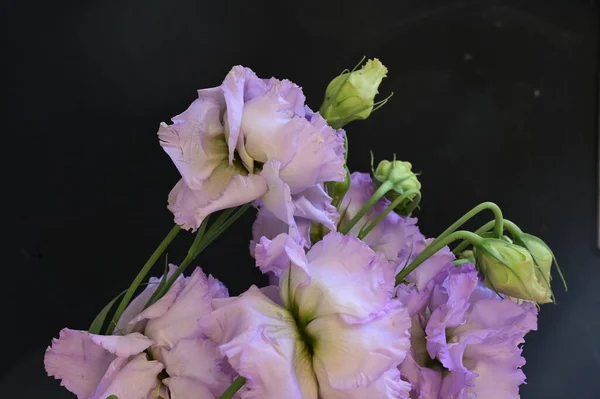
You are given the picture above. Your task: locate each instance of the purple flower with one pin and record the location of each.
(165, 336)
(330, 330)
(245, 140)
(465, 340)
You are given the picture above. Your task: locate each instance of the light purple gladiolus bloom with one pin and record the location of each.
(465, 340)
(331, 330)
(97, 366)
(251, 139)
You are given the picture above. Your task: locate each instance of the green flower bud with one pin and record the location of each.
(510, 269)
(399, 173)
(350, 96)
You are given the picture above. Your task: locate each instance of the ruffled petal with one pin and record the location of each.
(356, 355)
(195, 365)
(310, 205)
(496, 365)
(136, 306)
(161, 306)
(275, 255)
(184, 388)
(123, 346)
(266, 225)
(133, 378)
(182, 319)
(388, 386)
(456, 288)
(346, 277)
(314, 204)
(76, 360)
(223, 190)
(260, 340)
(271, 128)
(192, 141)
(240, 85)
(429, 269)
(425, 382)
(316, 159)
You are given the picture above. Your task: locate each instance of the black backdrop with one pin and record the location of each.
(494, 100)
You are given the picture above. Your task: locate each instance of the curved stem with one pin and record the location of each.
(414, 204)
(498, 225)
(141, 275)
(363, 233)
(483, 229)
(381, 191)
(435, 246)
(233, 388)
(512, 228)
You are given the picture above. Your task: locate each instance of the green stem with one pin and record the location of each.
(435, 246)
(212, 235)
(140, 277)
(483, 229)
(366, 230)
(498, 225)
(381, 191)
(414, 204)
(233, 388)
(512, 228)
(200, 243)
(191, 254)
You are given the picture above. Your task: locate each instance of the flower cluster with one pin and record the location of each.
(361, 304)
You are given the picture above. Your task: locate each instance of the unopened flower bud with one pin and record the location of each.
(510, 269)
(399, 173)
(350, 96)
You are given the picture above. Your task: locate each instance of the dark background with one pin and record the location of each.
(494, 100)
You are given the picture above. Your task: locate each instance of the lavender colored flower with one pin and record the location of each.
(331, 329)
(165, 336)
(465, 340)
(250, 139)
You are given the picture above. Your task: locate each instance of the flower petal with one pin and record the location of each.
(133, 378)
(191, 207)
(356, 355)
(240, 85)
(346, 276)
(425, 382)
(260, 340)
(192, 141)
(182, 319)
(388, 386)
(275, 255)
(195, 365)
(271, 127)
(314, 204)
(76, 360)
(497, 367)
(123, 346)
(456, 289)
(136, 306)
(318, 158)
(429, 269)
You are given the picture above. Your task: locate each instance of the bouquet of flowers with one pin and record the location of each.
(360, 303)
